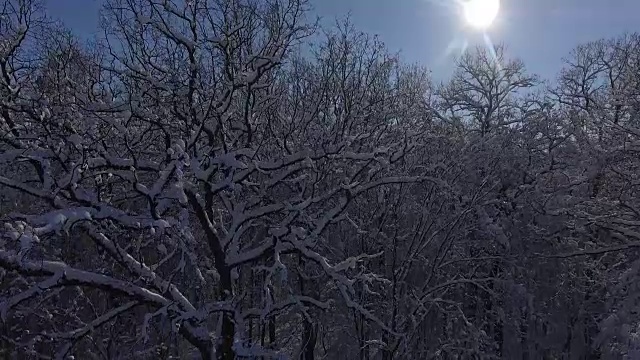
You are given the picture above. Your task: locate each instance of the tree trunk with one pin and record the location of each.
(224, 349)
(309, 339)
(272, 332)
(310, 330)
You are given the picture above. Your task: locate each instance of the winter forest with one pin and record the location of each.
(227, 179)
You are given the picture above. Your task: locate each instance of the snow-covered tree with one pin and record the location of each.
(196, 167)
(224, 179)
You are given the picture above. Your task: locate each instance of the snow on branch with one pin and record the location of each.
(64, 275)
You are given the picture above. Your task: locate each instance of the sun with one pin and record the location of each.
(480, 14)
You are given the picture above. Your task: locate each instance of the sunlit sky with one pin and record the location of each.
(540, 32)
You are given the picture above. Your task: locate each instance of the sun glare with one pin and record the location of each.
(480, 14)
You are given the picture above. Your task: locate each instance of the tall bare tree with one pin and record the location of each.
(486, 89)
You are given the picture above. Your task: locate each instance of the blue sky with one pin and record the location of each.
(540, 32)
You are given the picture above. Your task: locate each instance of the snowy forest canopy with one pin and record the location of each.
(223, 179)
